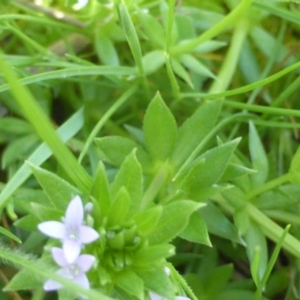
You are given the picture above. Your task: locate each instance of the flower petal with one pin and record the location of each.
(82, 280)
(85, 262)
(74, 213)
(59, 257)
(71, 249)
(53, 229)
(182, 298)
(154, 296)
(51, 285)
(87, 234)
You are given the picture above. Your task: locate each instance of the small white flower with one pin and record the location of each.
(72, 233)
(80, 4)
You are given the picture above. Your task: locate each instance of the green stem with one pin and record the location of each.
(245, 88)
(214, 31)
(105, 118)
(263, 109)
(268, 186)
(155, 186)
(232, 57)
(274, 231)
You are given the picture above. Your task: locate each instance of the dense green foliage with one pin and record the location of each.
(177, 121)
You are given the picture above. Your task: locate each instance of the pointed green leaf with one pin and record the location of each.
(210, 168)
(106, 50)
(101, 192)
(24, 280)
(173, 220)
(180, 71)
(153, 29)
(257, 251)
(146, 220)
(131, 35)
(234, 171)
(258, 157)
(196, 230)
(218, 224)
(160, 129)
(130, 177)
(119, 208)
(28, 222)
(196, 66)
(153, 254)
(156, 280)
(131, 283)
(45, 213)
(114, 149)
(194, 130)
(7, 233)
(59, 191)
(153, 60)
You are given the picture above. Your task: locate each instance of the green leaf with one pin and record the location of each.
(44, 213)
(153, 60)
(106, 50)
(18, 149)
(241, 220)
(160, 129)
(153, 29)
(66, 131)
(258, 157)
(14, 126)
(130, 177)
(119, 208)
(196, 66)
(234, 171)
(218, 224)
(146, 220)
(131, 35)
(257, 251)
(101, 192)
(9, 234)
(156, 280)
(131, 283)
(24, 280)
(196, 230)
(59, 191)
(44, 128)
(210, 167)
(180, 71)
(153, 254)
(194, 130)
(28, 222)
(173, 220)
(217, 279)
(114, 149)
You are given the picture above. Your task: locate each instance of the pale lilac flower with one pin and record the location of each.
(72, 233)
(154, 296)
(74, 271)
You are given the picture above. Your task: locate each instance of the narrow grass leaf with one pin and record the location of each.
(131, 35)
(7, 233)
(44, 128)
(41, 154)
